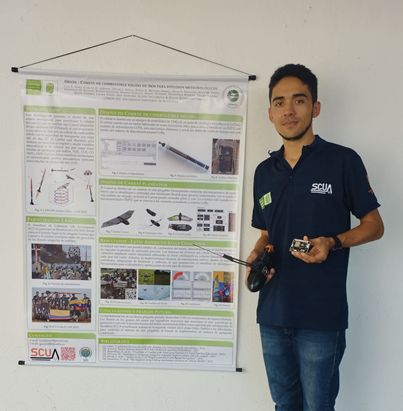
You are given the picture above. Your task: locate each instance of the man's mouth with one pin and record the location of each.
(290, 123)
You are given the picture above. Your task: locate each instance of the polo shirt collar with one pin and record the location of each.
(316, 146)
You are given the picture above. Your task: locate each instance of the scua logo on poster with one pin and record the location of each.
(44, 354)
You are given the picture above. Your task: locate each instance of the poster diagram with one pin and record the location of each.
(127, 181)
(191, 286)
(128, 155)
(57, 187)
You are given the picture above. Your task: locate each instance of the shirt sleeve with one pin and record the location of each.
(359, 196)
(258, 220)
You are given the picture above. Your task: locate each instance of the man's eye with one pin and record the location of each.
(279, 104)
(300, 101)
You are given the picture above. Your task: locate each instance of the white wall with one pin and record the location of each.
(354, 47)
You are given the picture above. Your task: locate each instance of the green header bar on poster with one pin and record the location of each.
(59, 110)
(71, 336)
(60, 220)
(150, 341)
(169, 184)
(170, 115)
(152, 311)
(174, 243)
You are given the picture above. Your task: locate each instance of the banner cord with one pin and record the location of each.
(251, 76)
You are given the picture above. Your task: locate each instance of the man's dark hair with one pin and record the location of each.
(299, 71)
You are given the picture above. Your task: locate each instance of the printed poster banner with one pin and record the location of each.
(132, 193)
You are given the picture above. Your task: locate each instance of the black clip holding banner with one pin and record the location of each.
(251, 76)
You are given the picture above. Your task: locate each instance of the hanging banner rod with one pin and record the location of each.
(16, 69)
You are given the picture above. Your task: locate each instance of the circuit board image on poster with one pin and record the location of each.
(225, 157)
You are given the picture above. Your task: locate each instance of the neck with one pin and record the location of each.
(293, 149)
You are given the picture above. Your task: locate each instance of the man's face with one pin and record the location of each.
(291, 108)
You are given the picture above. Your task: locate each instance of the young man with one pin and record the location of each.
(307, 190)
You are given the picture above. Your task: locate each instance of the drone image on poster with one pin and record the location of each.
(61, 193)
(154, 222)
(180, 217)
(122, 219)
(180, 227)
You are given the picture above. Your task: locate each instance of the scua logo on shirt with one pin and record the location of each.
(321, 188)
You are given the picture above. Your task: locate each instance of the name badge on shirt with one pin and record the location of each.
(265, 200)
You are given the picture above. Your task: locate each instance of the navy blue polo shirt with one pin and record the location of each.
(315, 198)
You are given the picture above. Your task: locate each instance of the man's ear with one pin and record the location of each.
(316, 109)
(270, 115)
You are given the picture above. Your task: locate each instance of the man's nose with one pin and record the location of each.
(289, 109)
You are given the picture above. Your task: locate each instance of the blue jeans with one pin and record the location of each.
(302, 367)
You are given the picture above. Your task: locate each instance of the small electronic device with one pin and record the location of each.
(302, 246)
(260, 270)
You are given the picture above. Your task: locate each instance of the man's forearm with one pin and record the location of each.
(370, 229)
(261, 243)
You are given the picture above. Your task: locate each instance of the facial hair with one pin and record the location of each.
(300, 135)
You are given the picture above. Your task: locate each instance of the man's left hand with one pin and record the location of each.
(319, 252)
